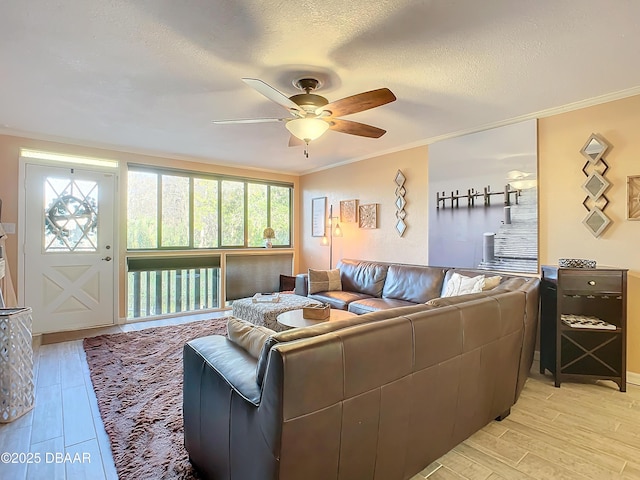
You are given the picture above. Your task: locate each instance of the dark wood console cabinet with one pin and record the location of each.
(584, 293)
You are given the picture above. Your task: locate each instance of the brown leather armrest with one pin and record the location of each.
(230, 362)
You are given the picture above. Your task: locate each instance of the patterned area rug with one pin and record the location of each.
(137, 377)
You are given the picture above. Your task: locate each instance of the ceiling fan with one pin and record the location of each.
(312, 115)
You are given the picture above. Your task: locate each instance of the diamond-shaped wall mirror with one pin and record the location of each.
(596, 222)
(401, 213)
(595, 185)
(594, 149)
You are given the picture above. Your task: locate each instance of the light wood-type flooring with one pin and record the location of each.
(579, 431)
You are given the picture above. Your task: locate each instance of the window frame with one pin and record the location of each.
(192, 175)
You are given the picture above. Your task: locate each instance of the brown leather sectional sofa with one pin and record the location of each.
(377, 396)
(370, 286)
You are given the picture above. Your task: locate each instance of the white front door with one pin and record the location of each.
(69, 255)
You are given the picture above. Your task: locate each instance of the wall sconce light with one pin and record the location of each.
(327, 240)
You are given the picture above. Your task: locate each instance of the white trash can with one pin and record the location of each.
(16, 363)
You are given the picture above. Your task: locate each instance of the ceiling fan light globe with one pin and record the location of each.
(307, 129)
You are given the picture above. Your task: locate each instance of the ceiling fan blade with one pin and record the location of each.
(295, 141)
(273, 94)
(358, 103)
(355, 128)
(249, 120)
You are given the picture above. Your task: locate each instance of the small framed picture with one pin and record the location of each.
(318, 216)
(633, 197)
(368, 215)
(348, 211)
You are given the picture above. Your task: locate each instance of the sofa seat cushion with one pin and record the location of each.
(339, 299)
(373, 304)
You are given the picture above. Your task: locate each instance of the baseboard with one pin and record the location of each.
(633, 378)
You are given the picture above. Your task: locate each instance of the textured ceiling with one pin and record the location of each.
(150, 75)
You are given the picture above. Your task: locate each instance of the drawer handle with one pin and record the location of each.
(591, 282)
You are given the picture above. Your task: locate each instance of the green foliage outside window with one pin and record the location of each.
(257, 218)
(281, 214)
(205, 213)
(142, 210)
(175, 211)
(167, 210)
(232, 209)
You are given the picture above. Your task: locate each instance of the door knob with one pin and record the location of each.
(107, 259)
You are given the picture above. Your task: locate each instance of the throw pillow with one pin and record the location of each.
(247, 335)
(324, 280)
(491, 282)
(287, 284)
(460, 285)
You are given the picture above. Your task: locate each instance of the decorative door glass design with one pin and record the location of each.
(70, 215)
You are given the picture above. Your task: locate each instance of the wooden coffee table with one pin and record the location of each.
(294, 318)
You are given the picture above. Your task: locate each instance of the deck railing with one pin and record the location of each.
(161, 292)
(170, 284)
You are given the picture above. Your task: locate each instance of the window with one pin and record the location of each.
(142, 208)
(187, 210)
(175, 211)
(280, 209)
(257, 213)
(232, 208)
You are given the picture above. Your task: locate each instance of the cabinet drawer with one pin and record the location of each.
(593, 282)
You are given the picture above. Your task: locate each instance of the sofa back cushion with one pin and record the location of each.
(413, 283)
(362, 276)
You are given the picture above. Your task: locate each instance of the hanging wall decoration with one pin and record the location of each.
(368, 215)
(401, 213)
(349, 211)
(595, 185)
(318, 216)
(633, 197)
